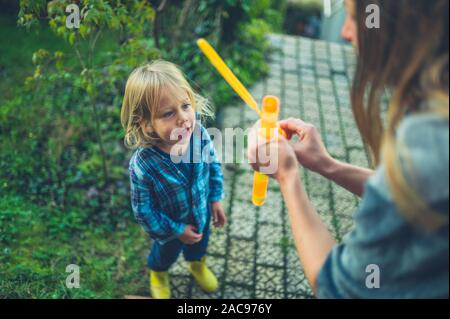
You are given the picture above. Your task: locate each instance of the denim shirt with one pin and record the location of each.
(412, 262)
(164, 201)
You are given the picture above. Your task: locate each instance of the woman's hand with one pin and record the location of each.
(309, 150)
(275, 158)
(190, 236)
(219, 218)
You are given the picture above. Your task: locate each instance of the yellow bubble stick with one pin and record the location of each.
(227, 74)
(269, 116)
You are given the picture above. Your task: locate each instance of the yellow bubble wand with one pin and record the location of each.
(270, 110)
(227, 74)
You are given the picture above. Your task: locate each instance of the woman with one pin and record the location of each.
(399, 245)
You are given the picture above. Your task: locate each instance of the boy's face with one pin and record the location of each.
(174, 119)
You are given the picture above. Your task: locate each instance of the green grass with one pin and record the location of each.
(37, 243)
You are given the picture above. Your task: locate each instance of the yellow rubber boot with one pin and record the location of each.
(204, 277)
(159, 284)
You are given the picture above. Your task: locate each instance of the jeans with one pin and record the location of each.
(161, 257)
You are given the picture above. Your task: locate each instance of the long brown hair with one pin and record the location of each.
(408, 57)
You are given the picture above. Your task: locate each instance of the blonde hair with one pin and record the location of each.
(143, 92)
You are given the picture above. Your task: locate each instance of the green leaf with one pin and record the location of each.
(72, 38)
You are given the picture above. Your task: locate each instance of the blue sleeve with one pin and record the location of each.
(216, 191)
(155, 222)
(385, 256)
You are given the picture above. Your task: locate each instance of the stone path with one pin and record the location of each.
(254, 256)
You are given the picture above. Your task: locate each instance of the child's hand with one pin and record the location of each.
(189, 235)
(219, 218)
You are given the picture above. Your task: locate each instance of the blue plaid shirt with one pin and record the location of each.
(164, 201)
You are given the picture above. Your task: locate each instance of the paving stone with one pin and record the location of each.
(243, 228)
(264, 294)
(180, 286)
(240, 272)
(271, 212)
(292, 259)
(289, 50)
(244, 195)
(270, 255)
(217, 242)
(270, 234)
(292, 95)
(298, 296)
(291, 112)
(179, 268)
(318, 186)
(242, 250)
(345, 205)
(358, 157)
(346, 225)
(198, 293)
(217, 265)
(243, 211)
(297, 282)
(236, 292)
(269, 278)
(275, 40)
(245, 179)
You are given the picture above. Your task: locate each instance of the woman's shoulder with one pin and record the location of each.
(424, 153)
(425, 131)
(423, 149)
